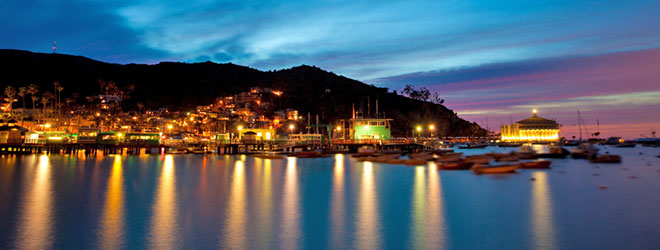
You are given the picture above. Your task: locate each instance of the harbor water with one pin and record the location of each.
(242, 202)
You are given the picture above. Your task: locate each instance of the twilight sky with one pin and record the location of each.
(490, 60)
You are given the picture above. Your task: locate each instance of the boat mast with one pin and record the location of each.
(580, 124)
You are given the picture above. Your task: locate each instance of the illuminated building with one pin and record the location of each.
(364, 128)
(532, 129)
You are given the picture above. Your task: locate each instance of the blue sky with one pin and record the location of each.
(387, 43)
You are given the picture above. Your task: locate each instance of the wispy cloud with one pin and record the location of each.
(491, 56)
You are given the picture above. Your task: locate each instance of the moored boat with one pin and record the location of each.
(535, 164)
(498, 169)
(507, 159)
(473, 146)
(555, 152)
(509, 144)
(460, 165)
(606, 159)
(268, 156)
(309, 154)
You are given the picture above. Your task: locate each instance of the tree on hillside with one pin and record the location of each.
(422, 94)
(22, 91)
(33, 89)
(10, 93)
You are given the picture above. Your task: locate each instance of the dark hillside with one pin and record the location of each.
(181, 86)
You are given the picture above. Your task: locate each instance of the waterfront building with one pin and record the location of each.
(364, 128)
(260, 134)
(532, 129)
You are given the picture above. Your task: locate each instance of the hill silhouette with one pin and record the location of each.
(183, 86)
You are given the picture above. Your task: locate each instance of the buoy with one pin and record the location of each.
(603, 187)
(533, 179)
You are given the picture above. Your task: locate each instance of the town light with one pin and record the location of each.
(367, 127)
(291, 127)
(169, 126)
(419, 128)
(431, 127)
(239, 127)
(534, 111)
(47, 125)
(338, 128)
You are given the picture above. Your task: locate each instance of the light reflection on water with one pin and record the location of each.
(163, 231)
(236, 219)
(290, 207)
(337, 205)
(36, 219)
(367, 217)
(241, 202)
(427, 225)
(112, 222)
(542, 227)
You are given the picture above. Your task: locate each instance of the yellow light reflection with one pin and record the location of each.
(418, 209)
(163, 221)
(337, 204)
(36, 220)
(544, 232)
(428, 225)
(435, 229)
(265, 216)
(112, 223)
(237, 211)
(290, 207)
(367, 218)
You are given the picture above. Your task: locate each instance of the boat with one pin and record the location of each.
(427, 156)
(555, 152)
(626, 145)
(606, 159)
(571, 143)
(459, 165)
(473, 146)
(509, 158)
(482, 159)
(268, 156)
(509, 144)
(584, 151)
(383, 158)
(309, 154)
(535, 164)
(177, 151)
(450, 157)
(413, 162)
(498, 169)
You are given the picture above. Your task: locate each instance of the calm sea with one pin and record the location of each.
(240, 202)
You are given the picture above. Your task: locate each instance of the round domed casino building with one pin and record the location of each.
(532, 129)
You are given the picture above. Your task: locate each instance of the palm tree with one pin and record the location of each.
(22, 91)
(33, 90)
(45, 99)
(10, 93)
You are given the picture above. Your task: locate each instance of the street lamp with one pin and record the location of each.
(431, 129)
(419, 130)
(291, 127)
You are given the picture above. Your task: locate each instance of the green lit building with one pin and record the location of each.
(364, 129)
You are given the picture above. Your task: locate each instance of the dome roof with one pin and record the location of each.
(536, 120)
